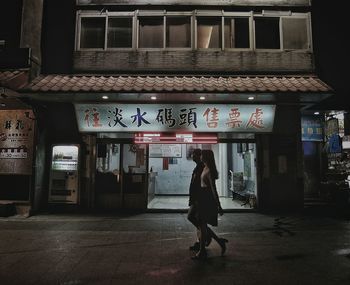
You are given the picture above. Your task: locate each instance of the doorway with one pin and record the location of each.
(170, 168)
(157, 176)
(120, 176)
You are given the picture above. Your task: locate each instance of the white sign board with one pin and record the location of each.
(175, 117)
(16, 141)
(165, 150)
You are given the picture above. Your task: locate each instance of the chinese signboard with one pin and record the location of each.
(16, 141)
(175, 117)
(311, 128)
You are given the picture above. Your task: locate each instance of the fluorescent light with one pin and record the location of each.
(153, 98)
(202, 98)
(251, 98)
(316, 113)
(105, 97)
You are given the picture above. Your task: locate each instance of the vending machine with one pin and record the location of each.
(64, 174)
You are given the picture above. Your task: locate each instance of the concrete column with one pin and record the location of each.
(280, 161)
(32, 14)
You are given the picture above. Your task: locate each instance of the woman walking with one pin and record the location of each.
(208, 204)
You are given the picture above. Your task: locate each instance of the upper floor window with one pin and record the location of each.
(151, 33)
(178, 32)
(119, 32)
(282, 32)
(267, 35)
(193, 29)
(209, 32)
(92, 32)
(236, 32)
(295, 33)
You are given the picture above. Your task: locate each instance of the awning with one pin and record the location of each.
(10, 82)
(238, 84)
(304, 89)
(13, 79)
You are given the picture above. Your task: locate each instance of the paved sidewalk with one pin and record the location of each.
(152, 248)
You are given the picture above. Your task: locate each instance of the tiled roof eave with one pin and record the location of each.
(176, 84)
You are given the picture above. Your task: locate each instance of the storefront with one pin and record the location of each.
(143, 152)
(134, 141)
(17, 146)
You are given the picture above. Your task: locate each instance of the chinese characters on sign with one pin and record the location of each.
(176, 117)
(16, 141)
(311, 128)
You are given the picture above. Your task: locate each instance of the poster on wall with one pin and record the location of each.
(16, 141)
(165, 150)
(311, 128)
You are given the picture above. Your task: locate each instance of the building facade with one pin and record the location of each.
(142, 83)
(20, 60)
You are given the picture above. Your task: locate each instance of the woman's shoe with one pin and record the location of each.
(222, 243)
(201, 255)
(208, 241)
(195, 247)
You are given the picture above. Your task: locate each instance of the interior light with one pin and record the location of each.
(142, 138)
(3, 105)
(251, 98)
(153, 98)
(105, 97)
(202, 98)
(316, 113)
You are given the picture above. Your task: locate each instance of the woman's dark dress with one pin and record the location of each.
(207, 205)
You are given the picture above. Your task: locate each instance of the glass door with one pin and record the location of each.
(120, 177)
(134, 176)
(108, 190)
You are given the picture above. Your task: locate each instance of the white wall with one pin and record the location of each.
(176, 180)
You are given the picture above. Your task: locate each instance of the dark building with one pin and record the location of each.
(20, 60)
(127, 90)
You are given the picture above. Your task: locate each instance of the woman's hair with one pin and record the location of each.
(209, 160)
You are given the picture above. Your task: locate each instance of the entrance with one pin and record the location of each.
(120, 176)
(157, 176)
(170, 175)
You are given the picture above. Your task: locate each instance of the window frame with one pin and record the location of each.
(308, 30)
(280, 33)
(121, 15)
(230, 15)
(193, 15)
(142, 14)
(208, 14)
(280, 15)
(174, 15)
(89, 14)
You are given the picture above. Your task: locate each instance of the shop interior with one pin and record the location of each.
(335, 185)
(163, 172)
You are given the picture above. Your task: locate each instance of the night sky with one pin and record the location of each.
(331, 48)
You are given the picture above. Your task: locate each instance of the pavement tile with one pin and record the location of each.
(152, 248)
